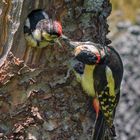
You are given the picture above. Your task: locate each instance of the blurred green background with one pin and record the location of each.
(125, 12)
(129, 8)
(124, 26)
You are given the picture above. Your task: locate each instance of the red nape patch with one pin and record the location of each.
(57, 25)
(98, 57)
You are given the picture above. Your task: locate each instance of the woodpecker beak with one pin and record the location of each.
(58, 42)
(74, 44)
(68, 42)
(64, 37)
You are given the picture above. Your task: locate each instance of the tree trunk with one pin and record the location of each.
(46, 103)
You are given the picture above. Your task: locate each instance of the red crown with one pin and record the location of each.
(57, 25)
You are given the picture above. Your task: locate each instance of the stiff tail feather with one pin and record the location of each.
(101, 129)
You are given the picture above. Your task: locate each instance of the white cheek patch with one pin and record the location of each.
(27, 23)
(37, 34)
(45, 15)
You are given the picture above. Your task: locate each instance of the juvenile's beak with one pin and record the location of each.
(58, 42)
(68, 42)
(74, 44)
(64, 37)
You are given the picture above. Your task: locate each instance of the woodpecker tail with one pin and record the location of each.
(101, 129)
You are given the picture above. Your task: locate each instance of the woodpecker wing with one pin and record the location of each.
(103, 86)
(108, 77)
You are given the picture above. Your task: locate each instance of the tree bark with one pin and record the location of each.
(46, 102)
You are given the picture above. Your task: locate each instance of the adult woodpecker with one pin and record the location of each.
(100, 72)
(40, 30)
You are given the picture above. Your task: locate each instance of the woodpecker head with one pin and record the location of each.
(40, 30)
(87, 54)
(49, 30)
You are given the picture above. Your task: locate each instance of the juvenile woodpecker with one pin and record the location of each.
(100, 73)
(40, 30)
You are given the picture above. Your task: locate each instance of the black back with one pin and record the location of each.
(114, 62)
(35, 16)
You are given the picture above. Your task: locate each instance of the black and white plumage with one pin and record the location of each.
(100, 73)
(33, 18)
(40, 30)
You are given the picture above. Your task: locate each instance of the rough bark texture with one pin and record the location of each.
(45, 103)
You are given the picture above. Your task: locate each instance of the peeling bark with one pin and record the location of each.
(46, 102)
(9, 23)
